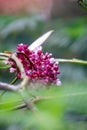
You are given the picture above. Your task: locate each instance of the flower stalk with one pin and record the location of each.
(75, 61)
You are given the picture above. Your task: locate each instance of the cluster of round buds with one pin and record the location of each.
(38, 67)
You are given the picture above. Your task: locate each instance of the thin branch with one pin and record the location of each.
(40, 98)
(14, 80)
(28, 101)
(75, 61)
(6, 86)
(36, 99)
(24, 83)
(21, 68)
(5, 55)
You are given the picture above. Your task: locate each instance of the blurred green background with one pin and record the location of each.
(25, 22)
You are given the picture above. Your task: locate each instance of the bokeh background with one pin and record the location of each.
(23, 21)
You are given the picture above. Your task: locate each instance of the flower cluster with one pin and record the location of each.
(38, 67)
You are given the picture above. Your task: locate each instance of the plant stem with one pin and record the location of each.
(42, 98)
(5, 55)
(75, 61)
(6, 86)
(27, 101)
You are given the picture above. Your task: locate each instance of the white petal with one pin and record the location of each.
(40, 41)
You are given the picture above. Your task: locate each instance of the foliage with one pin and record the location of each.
(60, 108)
(83, 3)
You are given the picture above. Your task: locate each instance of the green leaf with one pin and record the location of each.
(83, 3)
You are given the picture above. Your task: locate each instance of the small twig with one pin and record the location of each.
(36, 99)
(40, 98)
(6, 86)
(25, 79)
(14, 57)
(5, 55)
(28, 101)
(14, 80)
(76, 61)
(24, 83)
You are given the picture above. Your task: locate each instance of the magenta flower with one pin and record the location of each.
(38, 67)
